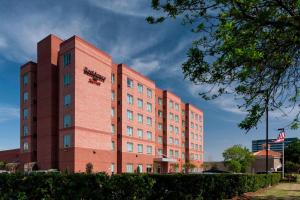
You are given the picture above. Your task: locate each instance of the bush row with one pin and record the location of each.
(130, 186)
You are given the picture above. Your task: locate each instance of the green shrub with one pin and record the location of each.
(130, 186)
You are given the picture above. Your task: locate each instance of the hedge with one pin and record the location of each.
(130, 186)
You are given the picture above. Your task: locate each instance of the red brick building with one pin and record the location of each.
(78, 107)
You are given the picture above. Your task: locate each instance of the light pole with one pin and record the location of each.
(266, 93)
(267, 132)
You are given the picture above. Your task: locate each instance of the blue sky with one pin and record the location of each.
(119, 28)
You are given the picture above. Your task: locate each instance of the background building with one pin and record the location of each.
(257, 145)
(78, 107)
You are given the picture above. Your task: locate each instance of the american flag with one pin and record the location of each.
(280, 137)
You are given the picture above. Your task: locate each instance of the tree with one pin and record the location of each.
(234, 166)
(247, 48)
(291, 167)
(188, 166)
(238, 158)
(2, 165)
(89, 168)
(175, 167)
(292, 152)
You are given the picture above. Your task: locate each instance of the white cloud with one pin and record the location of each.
(8, 112)
(137, 8)
(22, 34)
(145, 66)
(3, 42)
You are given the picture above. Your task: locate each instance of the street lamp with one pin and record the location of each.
(266, 93)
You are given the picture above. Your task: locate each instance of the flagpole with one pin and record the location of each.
(282, 136)
(283, 159)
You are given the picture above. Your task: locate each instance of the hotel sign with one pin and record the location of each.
(96, 78)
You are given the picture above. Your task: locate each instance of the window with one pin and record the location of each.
(171, 152)
(176, 130)
(176, 142)
(159, 139)
(176, 118)
(176, 106)
(160, 113)
(149, 135)
(67, 100)
(192, 125)
(113, 145)
(183, 144)
(193, 136)
(129, 168)
(140, 133)
(130, 99)
(159, 126)
(171, 104)
(149, 93)
(113, 95)
(25, 79)
(182, 112)
(112, 112)
(183, 134)
(171, 128)
(112, 167)
(129, 147)
(149, 149)
(149, 107)
(129, 115)
(160, 152)
(170, 140)
(25, 146)
(192, 115)
(67, 79)
(183, 123)
(140, 118)
(129, 131)
(67, 141)
(140, 148)
(25, 113)
(140, 88)
(67, 59)
(160, 101)
(25, 130)
(196, 146)
(149, 121)
(25, 96)
(183, 155)
(196, 117)
(200, 118)
(67, 121)
(192, 145)
(112, 78)
(149, 168)
(113, 129)
(129, 83)
(171, 116)
(140, 103)
(176, 154)
(140, 168)
(196, 137)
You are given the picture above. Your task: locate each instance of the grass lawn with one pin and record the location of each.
(281, 191)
